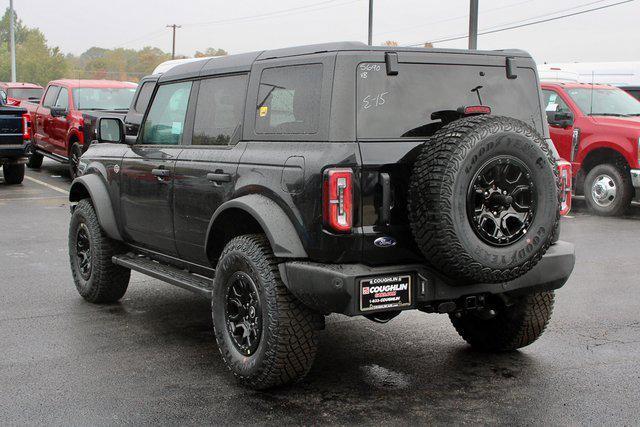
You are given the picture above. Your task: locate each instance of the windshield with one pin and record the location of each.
(103, 98)
(403, 105)
(25, 93)
(605, 102)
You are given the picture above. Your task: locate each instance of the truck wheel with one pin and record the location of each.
(265, 335)
(608, 190)
(484, 199)
(35, 161)
(75, 152)
(13, 173)
(514, 326)
(97, 279)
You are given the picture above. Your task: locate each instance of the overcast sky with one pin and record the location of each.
(611, 34)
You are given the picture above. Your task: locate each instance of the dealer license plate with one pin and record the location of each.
(385, 292)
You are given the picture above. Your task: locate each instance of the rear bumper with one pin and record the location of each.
(15, 153)
(333, 288)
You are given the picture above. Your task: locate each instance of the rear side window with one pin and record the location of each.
(144, 96)
(165, 120)
(289, 99)
(50, 97)
(219, 110)
(402, 105)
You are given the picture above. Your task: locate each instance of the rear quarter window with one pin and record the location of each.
(289, 99)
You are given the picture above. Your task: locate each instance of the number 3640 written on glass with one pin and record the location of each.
(375, 100)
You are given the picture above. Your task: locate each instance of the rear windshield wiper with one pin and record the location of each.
(273, 87)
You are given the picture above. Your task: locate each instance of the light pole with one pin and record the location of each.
(370, 38)
(473, 24)
(12, 41)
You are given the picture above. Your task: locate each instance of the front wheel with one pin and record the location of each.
(35, 160)
(608, 190)
(97, 279)
(13, 173)
(74, 159)
(517, 323)
(265, 335)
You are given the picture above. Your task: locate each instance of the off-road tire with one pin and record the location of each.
(287, 345)
(75, 151)
(624, 188)
(441, 179)
(514, 326)
(13, 173)
(35, 161)
(107, 282)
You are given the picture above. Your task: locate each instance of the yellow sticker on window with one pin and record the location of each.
(264, 110)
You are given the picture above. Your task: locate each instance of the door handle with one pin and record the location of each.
(219, 177)
(160, 173)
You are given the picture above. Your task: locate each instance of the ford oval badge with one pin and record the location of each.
(385, 242)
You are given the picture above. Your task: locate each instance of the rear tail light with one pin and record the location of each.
(337, 197)
(26, 126)
(564, 168)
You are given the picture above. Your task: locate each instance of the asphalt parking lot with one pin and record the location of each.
(152, 358)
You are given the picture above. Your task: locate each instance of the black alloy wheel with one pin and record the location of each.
(501, 201)
(83, 251)
(243, 313)
(74, 160)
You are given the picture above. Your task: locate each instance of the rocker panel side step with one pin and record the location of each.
(172, 275)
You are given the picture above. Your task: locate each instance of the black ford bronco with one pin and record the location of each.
(289, 184)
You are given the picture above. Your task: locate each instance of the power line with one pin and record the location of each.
(283, 12)
(529, 23)
(544, 15)
(450, 19)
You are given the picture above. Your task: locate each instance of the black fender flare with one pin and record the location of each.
(94, 186)
(279, 229)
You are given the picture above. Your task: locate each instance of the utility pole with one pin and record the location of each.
(473, 24)
(12, 40)
(173, 49)
(370, 22)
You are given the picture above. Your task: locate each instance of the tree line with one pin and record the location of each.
(37, 62)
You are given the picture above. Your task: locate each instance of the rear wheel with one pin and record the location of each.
(516, 324)
(265, 335)
(13, 173)
(608, 190)
(35, 160)
(97, 279)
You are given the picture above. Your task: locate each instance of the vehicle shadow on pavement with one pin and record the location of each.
(416, 368)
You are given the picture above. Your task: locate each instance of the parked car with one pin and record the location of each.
(14, 142)
(15, 93)
(341, 178)
(59, 119)
(597, 129)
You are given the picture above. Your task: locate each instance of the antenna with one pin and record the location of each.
(591, 102)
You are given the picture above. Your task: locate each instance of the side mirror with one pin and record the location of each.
(562, 119)
(111, 130)
(58, 111)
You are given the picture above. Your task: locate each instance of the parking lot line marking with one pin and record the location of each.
(53, 187)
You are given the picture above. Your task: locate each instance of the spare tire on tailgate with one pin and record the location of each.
(484, 199)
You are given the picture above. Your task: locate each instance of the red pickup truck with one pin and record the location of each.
(597, 129)
(14, 93)
(58, 120)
